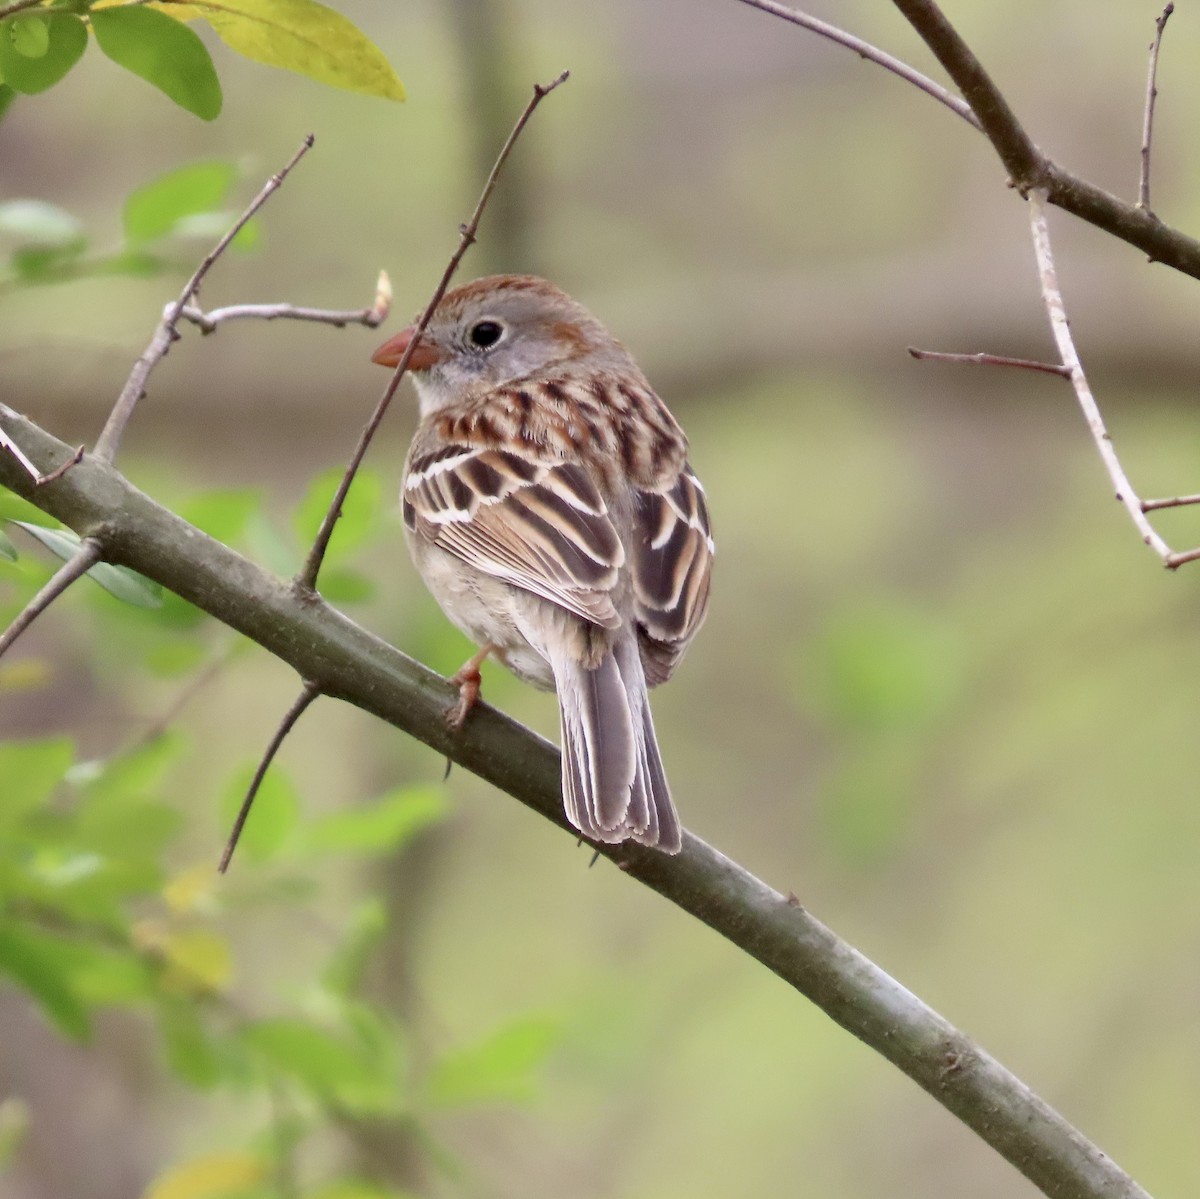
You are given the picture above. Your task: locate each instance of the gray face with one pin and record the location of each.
(486, 341)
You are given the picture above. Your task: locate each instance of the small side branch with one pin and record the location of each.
(1061, 329)
(165, 334)
(306, 580)
(298, 708)
(1028, 364)
(75, 567)
(872, 54)
(1175, 501)
(1151, 95)
(373, 317)
(36, 475)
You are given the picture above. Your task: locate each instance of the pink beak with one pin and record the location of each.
(389, 354)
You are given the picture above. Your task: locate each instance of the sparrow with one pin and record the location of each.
(549, 506)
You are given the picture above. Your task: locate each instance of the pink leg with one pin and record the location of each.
(469, 683)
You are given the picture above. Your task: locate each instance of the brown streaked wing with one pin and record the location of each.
(672, 567)
(542, 526)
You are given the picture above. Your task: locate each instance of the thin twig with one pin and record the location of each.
(372, 317)
(165, 334)
(1060, 327)
(1029, 364)
(80, 562)
(1151, 95)
(306, 580)
(871, 53)
(1175, 501)
(36, 475)
(298, 708)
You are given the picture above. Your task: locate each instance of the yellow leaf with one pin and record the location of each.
(209, 1177)
(191, 890)
(301, 36)
(197, 961)
(26, 674)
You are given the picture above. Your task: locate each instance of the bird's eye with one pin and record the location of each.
(486, 333)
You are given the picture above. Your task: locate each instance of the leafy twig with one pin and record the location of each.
(165, 334)
(306, 580)
(347, 662)
(1160, 24)
(75, 567)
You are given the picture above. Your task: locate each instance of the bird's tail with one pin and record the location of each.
(613, 783)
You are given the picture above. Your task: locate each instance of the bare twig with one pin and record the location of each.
(306, 580)
(1175, 501)
(1052, 368)
(36, 475)
(1060, 327)
(84, 558)
(165, 334)
(872, 54)
(349, 663)
(298, 708)
(1028, 167)
(372, 317)
(1160, 24)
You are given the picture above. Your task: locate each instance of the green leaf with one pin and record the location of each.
(499, 1068)
(30, 35)
(7, 549)
(316, 1059)
(157, 207)
(273, 814)
(40, 222)
(306, 37)
(223, 515)
(66, 40)
(360, 512)
(162, 51)
(7, 96)
(190, 1052)
(383, 825)
(39, 964)
(882, 666)
(125, 584)
(46, 264)
(29, 773)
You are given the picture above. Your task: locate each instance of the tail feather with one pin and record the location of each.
(613, 784)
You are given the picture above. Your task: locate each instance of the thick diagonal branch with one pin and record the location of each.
(345, 661)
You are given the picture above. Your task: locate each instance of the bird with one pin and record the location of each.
(549, 505)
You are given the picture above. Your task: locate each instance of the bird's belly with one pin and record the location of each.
(485, 608)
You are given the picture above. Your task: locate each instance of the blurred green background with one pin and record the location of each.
(944, 694)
